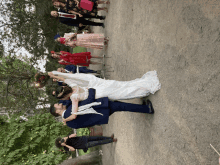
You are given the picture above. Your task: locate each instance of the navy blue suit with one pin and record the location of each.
(67, 103)
(72, 68)
(106, 108)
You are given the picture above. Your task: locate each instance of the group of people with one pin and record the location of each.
(76, 12)
(84, 99)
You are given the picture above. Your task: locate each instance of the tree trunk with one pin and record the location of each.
(89, 159)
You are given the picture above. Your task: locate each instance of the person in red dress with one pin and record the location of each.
(82, 59)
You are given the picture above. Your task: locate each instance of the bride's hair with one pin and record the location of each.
(61, 92)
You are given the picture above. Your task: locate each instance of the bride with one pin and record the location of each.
(114, 90)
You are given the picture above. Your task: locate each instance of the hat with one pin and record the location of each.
(56, 36)
(52, 52)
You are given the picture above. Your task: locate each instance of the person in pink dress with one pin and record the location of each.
(94, 41)
(82, 59)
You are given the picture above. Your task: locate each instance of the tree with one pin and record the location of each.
(31, 142)
(16, 92)
(28, 24)
(1, 49)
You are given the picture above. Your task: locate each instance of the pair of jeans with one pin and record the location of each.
(98, 140)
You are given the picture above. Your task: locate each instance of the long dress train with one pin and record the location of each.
(116, 90)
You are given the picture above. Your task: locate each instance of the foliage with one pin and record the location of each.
(16, 77)
(83, 132)
(28, 24)
(31, 142)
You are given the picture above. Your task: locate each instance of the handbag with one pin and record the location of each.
(86, 4)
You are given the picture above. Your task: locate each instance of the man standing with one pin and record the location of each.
(98, 110)
(74, 20)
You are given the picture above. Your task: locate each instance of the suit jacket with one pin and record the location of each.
(72, 68)
(69, 21)
(67, 103)
(89, 120)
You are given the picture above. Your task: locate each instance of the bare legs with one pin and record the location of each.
(106, 39)
(102, 8)
(96, 57)
(103, 2)
(95, 63)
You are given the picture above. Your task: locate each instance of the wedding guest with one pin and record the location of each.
(74, 20)
(94, 41)
(66, 58)
(72, 142)
(84, 7)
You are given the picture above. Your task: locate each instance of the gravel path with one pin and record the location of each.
(180, 39)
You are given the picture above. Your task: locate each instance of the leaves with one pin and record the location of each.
(24, 144)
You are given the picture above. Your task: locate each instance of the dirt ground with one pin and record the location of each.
(180, 39)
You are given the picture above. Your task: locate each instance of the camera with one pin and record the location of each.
(62, 140)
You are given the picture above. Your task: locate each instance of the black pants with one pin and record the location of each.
(98, 140)
(116, 106)
(90, 16)
(86, 22)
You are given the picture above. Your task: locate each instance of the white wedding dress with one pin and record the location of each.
(114, 90)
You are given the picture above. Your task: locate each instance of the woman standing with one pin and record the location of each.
(66, 58)
(72, 142)
(114, 90)
(94, 41)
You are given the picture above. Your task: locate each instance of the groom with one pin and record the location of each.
(106, 108)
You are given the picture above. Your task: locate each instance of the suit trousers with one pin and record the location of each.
(98, 140)
(116, 106)
(86, 22)
(90, 16)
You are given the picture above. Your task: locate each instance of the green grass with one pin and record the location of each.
(79, 49)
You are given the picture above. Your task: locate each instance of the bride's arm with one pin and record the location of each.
(75, 100)
(74, 110)
(56, 77)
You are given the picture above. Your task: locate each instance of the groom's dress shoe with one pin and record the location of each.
(150, 106)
